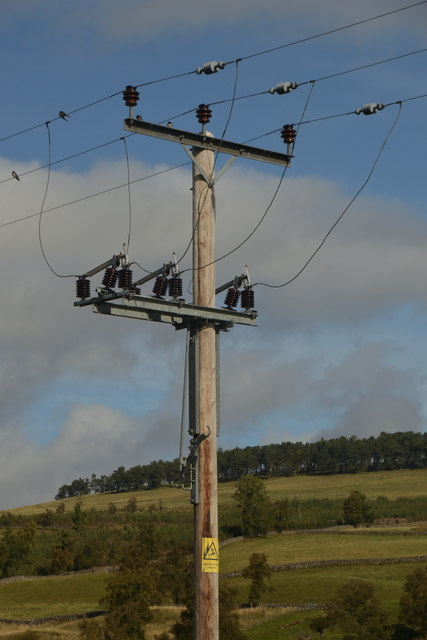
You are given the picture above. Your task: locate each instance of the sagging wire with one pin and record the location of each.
(42, 208)
(358, 192)
(129, 193)
(276, 191)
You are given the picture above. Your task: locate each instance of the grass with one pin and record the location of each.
(307, 547)
(393, 484)
(51, 596)
(41, 597)
(163, 619)
(260, 623)
(317, 585)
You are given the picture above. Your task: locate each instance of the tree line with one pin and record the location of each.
(388, 451)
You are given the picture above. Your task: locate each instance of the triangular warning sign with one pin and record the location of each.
(210, 555)
(211, 552)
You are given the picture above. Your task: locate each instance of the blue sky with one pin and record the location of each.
(341, 350)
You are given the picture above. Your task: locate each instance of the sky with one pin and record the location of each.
(339, 351)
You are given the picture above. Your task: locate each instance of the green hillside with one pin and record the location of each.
(308, 565)
(392, 484)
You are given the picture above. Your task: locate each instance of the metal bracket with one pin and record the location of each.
(192, 461)
(211, 182)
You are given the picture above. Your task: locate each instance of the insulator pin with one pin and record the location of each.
(160, 286)
(83, 288)
(370, 108)
(247, 299)
(232, 298)
(134, 289)
(283, 87)
(203, 113)
(210, 67)
(288, 134)
(175, 287)
(124, 277)
(110, 278)
(130, 96)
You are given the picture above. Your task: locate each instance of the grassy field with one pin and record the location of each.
(393, 484)
(51, 596)
(42, 597)
(163, 619)
(307, 547)
(317, 585)
(59, 595)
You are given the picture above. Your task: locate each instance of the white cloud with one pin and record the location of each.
(371, 266)
(151, 18)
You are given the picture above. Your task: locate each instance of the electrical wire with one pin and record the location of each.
(71, 157)
(201, 205)
(331, 31)
(153, 175)
(129, 194)
(358, 192)
(276, 191)
(299, 84)
(336, 115)
(320, 79)
(182, 165)
(367, 66)
(282, 177)
(42, 207)
(94, 195)
(233, 99)
(241, 58)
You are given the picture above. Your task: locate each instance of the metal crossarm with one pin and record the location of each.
(202, 141)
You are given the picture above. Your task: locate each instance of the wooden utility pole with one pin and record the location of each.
(206, 613)
(203, 322)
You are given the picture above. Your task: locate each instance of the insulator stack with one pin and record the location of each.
(110, 278)
(283, 87)
(369, 109)
(160, 286)
(203, 113)
(130, 96)
(124, 277)
(247, 299)
(232, 298)
(210, 67)
(83, 288)
(288, 134)
(134, 289)
(175, 287)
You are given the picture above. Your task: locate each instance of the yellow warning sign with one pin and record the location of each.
(210, 555)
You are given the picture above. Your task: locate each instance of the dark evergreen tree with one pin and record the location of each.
(254, 505)
(413, 604)
(258, 572)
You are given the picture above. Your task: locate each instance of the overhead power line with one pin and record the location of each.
(233, 99)
(342, 214)
(331, 31)
(153, 175)
(94, 195)
(235, 60)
